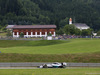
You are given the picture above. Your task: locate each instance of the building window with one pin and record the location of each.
(52, 32)
(29, 33)
(15, 33)
(19, 33)
(24, 33)
(43, 33)
(38, 33)
(33, 33)
(48, 32)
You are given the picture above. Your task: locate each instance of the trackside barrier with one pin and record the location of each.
(35, 64)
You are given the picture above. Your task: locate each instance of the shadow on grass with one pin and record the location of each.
(14, 43)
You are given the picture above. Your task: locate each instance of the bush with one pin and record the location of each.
(60, 31)
(9, 33)
(98, 33)
(21, 34)
(49, 34)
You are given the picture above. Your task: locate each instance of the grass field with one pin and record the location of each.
(81, 71)
(74, 50)
(48, 47)
(3, 34)
(22, 43)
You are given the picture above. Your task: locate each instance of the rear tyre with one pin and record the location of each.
(45, 66)
(63, 66)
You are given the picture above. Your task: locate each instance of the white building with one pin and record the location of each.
(80, 26)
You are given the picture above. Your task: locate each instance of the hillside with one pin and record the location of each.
(74, 50)
(51, 47)
(50, 12)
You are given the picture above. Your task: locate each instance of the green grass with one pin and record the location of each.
(3, 34)
(51, 47)
(74, 50)
(76, 58)
(81, 71)
(20, 43)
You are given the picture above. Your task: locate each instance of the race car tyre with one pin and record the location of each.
(45, 66)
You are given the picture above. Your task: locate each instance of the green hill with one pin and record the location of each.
(51, 47)
(49, 12)
(75, 50)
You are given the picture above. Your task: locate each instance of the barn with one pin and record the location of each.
(32, 30)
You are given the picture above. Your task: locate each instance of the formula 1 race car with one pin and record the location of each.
(54, 65)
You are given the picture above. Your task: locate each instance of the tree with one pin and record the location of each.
(64, 22)
(44, 20)
(21, 34)
(4, 29)
(9, 33)
(49, 34)
(66, 30)
(86, 32)
(4, 22)
(78, 31)
(50, 12)
(60, 31)
(70, 29)
(0, 27)
(98, 33)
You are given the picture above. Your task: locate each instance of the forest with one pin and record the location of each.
(58, 12)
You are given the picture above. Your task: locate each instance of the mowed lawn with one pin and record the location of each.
(81, 71)
(51, 47)
(3, 34)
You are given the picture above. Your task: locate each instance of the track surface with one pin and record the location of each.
(49, 68)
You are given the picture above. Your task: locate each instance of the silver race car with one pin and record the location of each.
(54, 65)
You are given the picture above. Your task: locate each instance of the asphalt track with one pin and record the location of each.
(35, 64)
(49, 68)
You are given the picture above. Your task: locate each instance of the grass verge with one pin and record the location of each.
(77, 58)
(81, 71)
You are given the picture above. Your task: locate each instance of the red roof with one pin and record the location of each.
(33, 26)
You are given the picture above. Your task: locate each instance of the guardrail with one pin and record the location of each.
(35, 64)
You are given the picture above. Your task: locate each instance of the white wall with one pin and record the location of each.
(33, 35)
